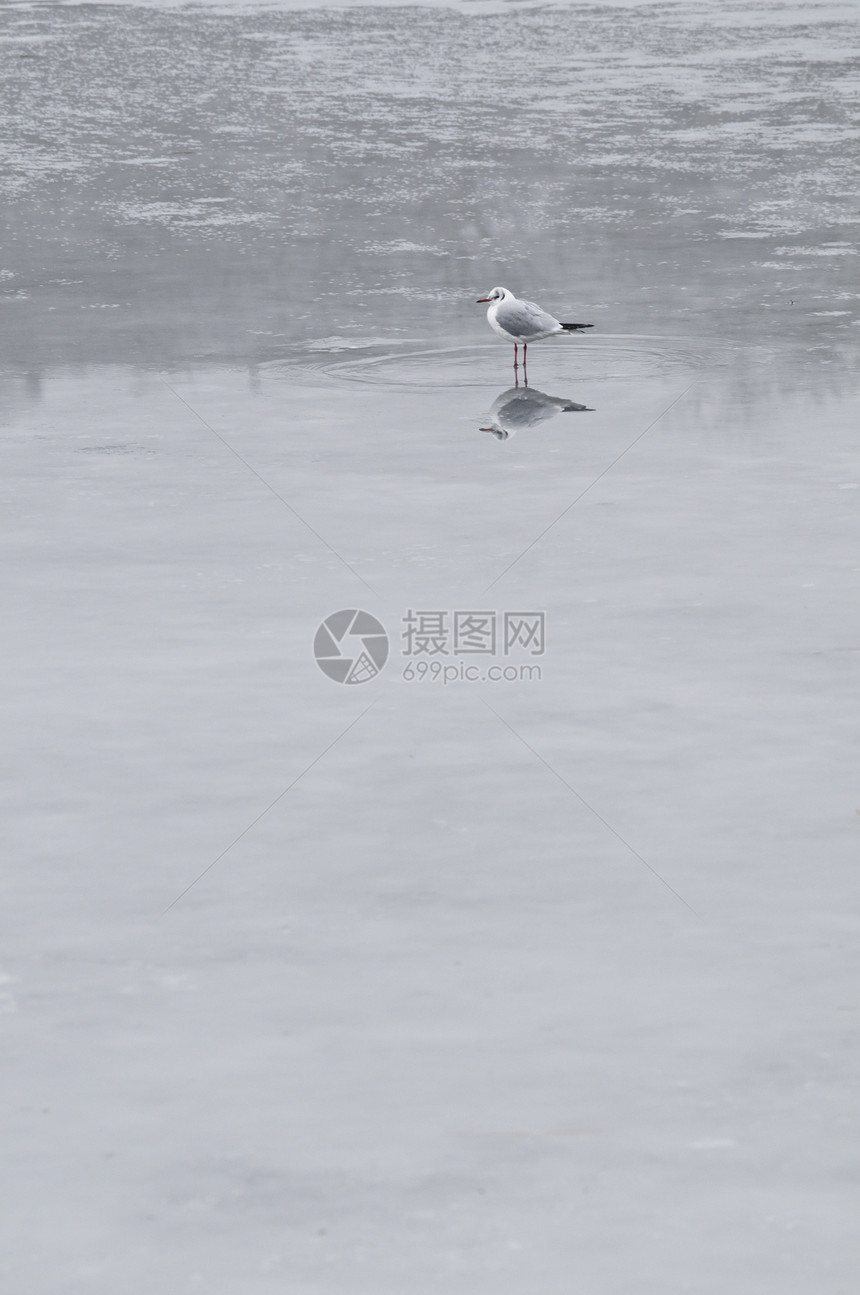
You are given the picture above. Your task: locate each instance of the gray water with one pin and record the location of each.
(543, 982)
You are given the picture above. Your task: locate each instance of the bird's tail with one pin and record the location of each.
(575, 328)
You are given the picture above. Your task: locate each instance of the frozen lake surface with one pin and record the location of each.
(544, 983)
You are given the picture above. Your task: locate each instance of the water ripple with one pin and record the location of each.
(595, 359)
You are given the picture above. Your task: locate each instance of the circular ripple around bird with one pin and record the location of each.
(592, 359)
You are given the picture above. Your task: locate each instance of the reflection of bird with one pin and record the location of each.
(522, 321)
(520, 407)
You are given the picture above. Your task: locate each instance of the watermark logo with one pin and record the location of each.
(351, 646)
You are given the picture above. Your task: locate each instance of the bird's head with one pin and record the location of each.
(497, 294)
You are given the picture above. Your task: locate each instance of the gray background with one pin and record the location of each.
(529, 987)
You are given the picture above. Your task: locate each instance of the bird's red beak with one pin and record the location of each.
(482, 300)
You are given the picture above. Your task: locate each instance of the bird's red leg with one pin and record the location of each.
(515, 356)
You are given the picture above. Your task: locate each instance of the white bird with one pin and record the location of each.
(522, 321)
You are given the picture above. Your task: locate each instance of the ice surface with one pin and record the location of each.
(546, 985)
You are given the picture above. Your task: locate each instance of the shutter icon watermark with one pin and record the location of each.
(351, 646)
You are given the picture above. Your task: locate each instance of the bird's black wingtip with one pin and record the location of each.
(576, 328)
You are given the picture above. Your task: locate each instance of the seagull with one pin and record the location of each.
(522, 321)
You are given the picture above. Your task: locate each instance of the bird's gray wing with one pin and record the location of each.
(524, 319)
(543, 319)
